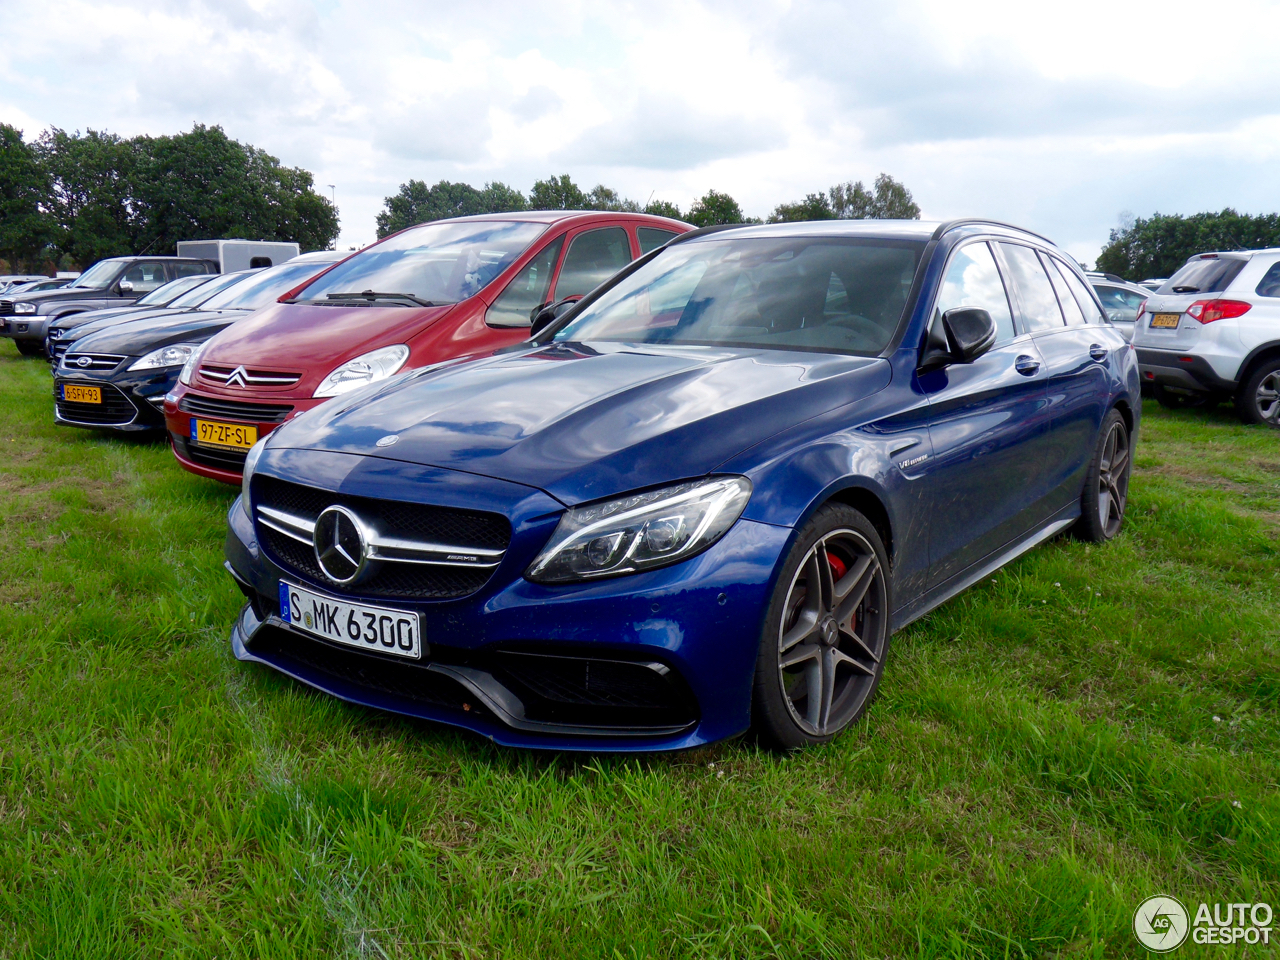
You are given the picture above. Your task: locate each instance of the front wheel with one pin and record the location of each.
(1258, 400)
(1106, 486)
(29, 348)
(826, 633)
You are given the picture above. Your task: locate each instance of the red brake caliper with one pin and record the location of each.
(838, 567)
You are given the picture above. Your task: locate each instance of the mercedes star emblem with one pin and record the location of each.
(342, 550)
(388, 440)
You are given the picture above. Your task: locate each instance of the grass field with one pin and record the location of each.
(1091, 726)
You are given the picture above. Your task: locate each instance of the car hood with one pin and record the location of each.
(583, 421)
(134, 338)
(101, 319)
(297, 335)
(61, 293)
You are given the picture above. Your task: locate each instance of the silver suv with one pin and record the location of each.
(1212, 332)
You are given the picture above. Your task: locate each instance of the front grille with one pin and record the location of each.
(409, 521)
(96, 361)
(56, 350)
(239, 376)
(115, 409)
(234, 409)
(232, 460)
(6, 308)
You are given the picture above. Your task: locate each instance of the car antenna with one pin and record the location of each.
(147, 247)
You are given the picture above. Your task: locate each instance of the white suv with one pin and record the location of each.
(1212, 331)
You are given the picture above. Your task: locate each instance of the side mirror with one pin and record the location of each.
(961, 335)
(549, 313)
(124, 286)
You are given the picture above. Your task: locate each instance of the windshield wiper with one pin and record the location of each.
(372, 295)
(1182, 289)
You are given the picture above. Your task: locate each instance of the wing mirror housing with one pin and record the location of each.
(124, 286)
(961, 335)
(549, 313)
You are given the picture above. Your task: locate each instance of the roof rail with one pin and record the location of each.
(703, 231)
(964, 221)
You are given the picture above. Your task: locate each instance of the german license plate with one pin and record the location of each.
(231, 436)
(1168, 321)
(74, 393)
(353, 624)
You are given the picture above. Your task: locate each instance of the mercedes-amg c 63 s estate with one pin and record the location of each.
(700, 501)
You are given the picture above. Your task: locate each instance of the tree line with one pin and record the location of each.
(415, 203)
(1158, 245)
(73, 198)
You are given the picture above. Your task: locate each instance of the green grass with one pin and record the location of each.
(1091, 726)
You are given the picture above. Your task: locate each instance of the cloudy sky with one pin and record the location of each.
(1056, 117)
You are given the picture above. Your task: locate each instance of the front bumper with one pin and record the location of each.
(132, 401)
(1181, 371)
(698, 620)
(25, 327)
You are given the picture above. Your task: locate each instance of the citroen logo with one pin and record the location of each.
(84, 362)
(342, 550)
(238, 378)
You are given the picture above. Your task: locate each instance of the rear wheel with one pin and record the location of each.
(1258, 400)
(1106, 486)
(826, 633)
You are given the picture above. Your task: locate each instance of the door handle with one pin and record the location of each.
(1027, 366)
(1098, 352)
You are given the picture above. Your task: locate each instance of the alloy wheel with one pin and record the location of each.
(1113, 480)
(833, 633)
(1267, 398)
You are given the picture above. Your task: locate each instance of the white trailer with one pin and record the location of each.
(231, 255)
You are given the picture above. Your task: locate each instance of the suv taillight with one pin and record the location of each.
(1142, 308)
(1207, 311)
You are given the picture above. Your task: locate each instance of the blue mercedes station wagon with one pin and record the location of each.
(700, 500)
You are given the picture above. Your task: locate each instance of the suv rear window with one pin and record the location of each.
(1204, 275)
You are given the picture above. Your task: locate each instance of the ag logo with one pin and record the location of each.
(1160, 923)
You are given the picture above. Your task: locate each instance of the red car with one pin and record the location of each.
(429, 293)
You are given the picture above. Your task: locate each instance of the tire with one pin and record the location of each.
(820, 661)
(1106, 485)
(1258, 399)
(1171, 400)
(29, 348)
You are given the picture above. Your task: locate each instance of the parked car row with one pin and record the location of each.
(597, 481)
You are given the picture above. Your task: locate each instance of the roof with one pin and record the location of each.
(922, 230)
(555, 216)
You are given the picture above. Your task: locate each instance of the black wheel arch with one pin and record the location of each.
(1259, 354)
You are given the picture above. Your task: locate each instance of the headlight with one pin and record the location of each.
(172, 356)
(250, 462)
(193, 361)
(641, 531)
(376, 365)
(24, 308)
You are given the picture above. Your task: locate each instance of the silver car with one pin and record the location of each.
(1121, 299)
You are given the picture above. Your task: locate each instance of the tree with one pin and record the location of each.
(91, 178)
(715, 208)
(1159, 245)
(890, 201)
(417, 203)
(557, 193)
(663, 208)
(814, 206)
(24, 227)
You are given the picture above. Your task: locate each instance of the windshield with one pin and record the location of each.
(435, 263)
(164, 295)
(830, 294)
(220, 282)
(265, 288)
(1204, 275)
(97, 276)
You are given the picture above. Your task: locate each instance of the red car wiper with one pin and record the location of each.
(372, 295)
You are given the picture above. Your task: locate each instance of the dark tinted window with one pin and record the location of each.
(1070, 309)
(972, 280)
(1204, 275)
(145, 276)
(1269, 285)
(528, 291)
(593, 258)
(1038, 302)
(651, 238)
(786, 294)
(188, 269)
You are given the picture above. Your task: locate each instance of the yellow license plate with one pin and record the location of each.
(77, 394)
(1167, 320)
(233, 436)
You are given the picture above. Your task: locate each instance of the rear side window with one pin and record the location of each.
(593, 258)
(972, 280)
(1040, 310)
(528, 291)
(188, 269)
(1269, 285)
(1070, 309)
(1088, 306)
(651, 238)
(1204, 275)
(145, 277)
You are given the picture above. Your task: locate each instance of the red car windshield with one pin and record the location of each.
(435, 263)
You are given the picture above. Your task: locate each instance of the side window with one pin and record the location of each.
(188, 269)
(145, 277)
(1119, 303)
(651, 238)
(1040, 310)
(1070, 309)
(527, 291)
(1083, 297)
(1269, 285)
(972, 280)
(593, 258)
